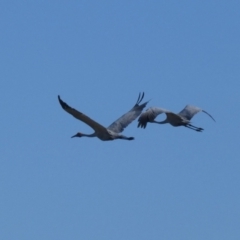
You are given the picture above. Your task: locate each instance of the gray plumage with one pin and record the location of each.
(111, 132)
(181, 119)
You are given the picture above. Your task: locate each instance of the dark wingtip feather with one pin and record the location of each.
(59, 99)
(62, 103)
(140, 98)
(142, 124)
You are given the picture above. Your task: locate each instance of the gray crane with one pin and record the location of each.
(181, 119)
(111, 132)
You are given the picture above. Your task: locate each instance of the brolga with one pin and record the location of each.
(113, 131)
(180, 119)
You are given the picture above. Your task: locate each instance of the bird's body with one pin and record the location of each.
(113, 131)
(181, 119)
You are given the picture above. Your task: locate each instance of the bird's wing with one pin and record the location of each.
(149, 115)
(189, 111)
(122, 122)
(82, 117)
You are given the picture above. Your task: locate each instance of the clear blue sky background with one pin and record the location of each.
(169, 183)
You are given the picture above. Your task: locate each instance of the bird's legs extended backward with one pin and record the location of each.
(190, 126)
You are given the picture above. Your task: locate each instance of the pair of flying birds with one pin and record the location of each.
(113, 131)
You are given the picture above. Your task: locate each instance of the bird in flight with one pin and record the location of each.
(180, 119)
(113, 131)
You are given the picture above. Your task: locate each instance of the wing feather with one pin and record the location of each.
(122, 122)
(149, 115)
(82, 117)
(189, 111)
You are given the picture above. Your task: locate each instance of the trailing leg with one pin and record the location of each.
(194, 128)
(125, 138)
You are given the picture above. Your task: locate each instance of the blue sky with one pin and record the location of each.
(169, 183)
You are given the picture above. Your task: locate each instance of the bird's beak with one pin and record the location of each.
(76, 135)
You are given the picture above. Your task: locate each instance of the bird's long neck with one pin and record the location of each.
(84, 135)
(161, 122)
(89, 135)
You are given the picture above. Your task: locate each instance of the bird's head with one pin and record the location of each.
(77, 135)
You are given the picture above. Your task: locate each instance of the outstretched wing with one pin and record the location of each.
(149, 115)
(122, 122)
(82, 117)
(189, 111)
